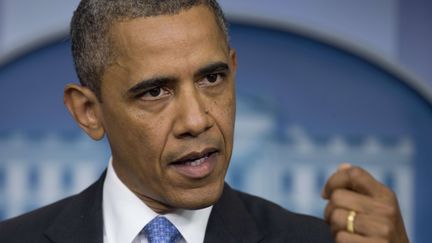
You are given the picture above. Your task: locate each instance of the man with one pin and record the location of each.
(157, 77)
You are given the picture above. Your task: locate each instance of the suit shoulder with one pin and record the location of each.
(73, 217)
(275, 220)
(35, 221)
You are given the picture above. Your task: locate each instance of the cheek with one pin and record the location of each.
(229, 108)
(139, 135)
(225, 104)
(150, 132)
(224, 114)
(227, 126)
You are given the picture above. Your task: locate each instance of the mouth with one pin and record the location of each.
(196, 164)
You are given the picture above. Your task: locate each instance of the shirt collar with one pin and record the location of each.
(125, 215)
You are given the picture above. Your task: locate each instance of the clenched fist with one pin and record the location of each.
(361, 209)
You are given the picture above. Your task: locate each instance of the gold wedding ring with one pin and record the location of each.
(350, 221)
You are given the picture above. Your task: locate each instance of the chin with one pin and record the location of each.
(198, 198)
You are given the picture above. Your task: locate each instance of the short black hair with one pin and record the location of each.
(91, 24)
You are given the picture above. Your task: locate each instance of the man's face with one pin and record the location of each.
(168, 108)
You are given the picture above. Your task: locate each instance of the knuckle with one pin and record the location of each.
(335, 215)
(341, 237)
(356, 172)
(327, 211)
(392, 196)
(388, 193)
(387, 231)
(390, 211)
(386, 240)
(336, 195)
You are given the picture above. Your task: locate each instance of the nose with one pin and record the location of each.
(192, 118)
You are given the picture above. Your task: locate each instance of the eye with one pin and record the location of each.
(155, 93)
(213, 78)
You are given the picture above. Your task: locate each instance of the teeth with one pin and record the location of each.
(197, 162)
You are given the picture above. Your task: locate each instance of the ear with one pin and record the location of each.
(84, 106)
(233, 59)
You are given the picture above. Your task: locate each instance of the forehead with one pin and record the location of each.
(157, 33)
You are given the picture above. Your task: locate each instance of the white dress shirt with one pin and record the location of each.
(125, 215)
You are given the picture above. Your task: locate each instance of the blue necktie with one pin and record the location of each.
(161, 230)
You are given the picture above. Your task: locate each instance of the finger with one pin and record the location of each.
(365, 225)
(345, 237)
(328, 211)
(344, 166)
(360, 203)
(354, 178)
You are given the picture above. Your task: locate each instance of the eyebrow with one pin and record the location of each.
(164, 81)
(212, 68)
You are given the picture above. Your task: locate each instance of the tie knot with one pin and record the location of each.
(161, 230)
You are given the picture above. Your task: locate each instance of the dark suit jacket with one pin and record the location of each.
(236, 217)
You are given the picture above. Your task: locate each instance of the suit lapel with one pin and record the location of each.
(230, 221)
(81, 220)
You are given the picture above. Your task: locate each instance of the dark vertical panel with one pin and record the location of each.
(415, 45)
(415, 36)
(1, 23)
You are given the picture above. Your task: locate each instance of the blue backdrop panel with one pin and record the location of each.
(303, 107)
(32, 89)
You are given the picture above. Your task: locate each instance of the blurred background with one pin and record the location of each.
(319, 83)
